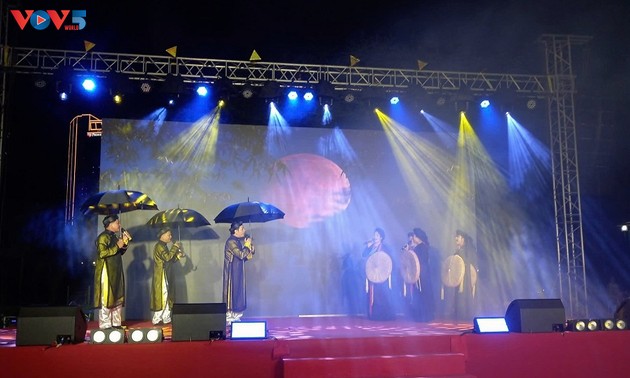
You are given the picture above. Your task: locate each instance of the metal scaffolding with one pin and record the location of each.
(155, 67)
(565, 171)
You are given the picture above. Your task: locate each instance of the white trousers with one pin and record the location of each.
(163, 315)
(108, 317)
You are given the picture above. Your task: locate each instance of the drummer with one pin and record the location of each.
(380, 296)
(419, 296)
(460, 295)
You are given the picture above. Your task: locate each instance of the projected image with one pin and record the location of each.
(335, 187)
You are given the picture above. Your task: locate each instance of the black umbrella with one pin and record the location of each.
(145, 233)
(178, 218)
(250, 212)
(116, 202)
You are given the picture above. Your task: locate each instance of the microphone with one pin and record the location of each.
(369, 242)
(126, 234)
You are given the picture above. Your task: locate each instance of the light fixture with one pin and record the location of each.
(146, 87)
(394, 100)
(145, 335)
(614, 325)
(484, 104)
(118, 98)
(576, 325)
(108, 336)
(531, 104)
(248, 91)
(490, 325)
(249, 330)
(349, 97)
(88, 84)
(292, 95)
(308, 96)
(202, 90)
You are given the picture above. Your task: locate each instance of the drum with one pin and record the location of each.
(409, 266)
(453, 270)
(378, 267)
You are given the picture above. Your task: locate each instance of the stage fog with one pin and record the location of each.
(335, 186)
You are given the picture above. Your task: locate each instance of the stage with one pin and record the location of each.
(333, 346)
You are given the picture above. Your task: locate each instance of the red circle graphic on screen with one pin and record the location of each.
(308, 188)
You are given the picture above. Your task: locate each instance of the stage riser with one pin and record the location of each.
(435, 365)
(371, 346)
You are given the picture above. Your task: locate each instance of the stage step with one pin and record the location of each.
(451, 365)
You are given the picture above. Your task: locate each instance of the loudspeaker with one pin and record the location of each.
(50, 325)
(535, 315)
(199, 321)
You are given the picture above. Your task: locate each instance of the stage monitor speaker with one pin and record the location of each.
(50, 325)
(199, 321)
(535, 315)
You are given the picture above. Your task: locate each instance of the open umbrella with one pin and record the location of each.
(146, 233)
(116, 202)
(250, 211)
(178, 218)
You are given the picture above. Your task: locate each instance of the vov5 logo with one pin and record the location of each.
(40, 19)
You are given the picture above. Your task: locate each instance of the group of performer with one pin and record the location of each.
(404, 279)
(109, 280)
(393, 279)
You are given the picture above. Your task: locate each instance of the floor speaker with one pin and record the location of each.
(199, 321)
(50, 325)
(535, 315)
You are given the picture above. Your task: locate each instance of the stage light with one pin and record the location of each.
(576, 325)
(484, 104)
(490, 325)
(107, 336)
(292, 95)
(531, 104)
(308, 96)
(349, 97)
(118, 98)
(394, 100)
(63, 96)
(146, 87)
(146, 335)
(613, 325)
(248, 91)
(584, 325)
(89, 85)
(202, 90)
(40, 82)
(249, 330)
(594, 325)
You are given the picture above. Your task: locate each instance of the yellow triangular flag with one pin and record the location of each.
(88, 45)
(254, 56)
(172, 51)
(421, 64)
(353, 60)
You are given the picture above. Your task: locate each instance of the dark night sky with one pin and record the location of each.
(459, 35)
